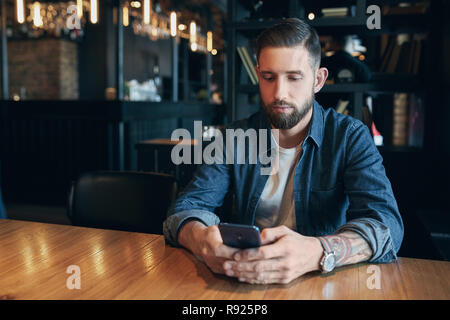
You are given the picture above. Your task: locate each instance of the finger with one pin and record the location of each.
(254, 266)
(271, 235)
(262, 278)
(224, 251)
(266, 252)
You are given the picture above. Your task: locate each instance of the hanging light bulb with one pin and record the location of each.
(94, 11)
(209, 41)
(146, 11)
(80, 8)
(173, 24)
(20, 11)
(126, 17)
(193, 35)
(135, 4)
(37, 19)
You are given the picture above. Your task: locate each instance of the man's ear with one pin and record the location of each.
(321, 77)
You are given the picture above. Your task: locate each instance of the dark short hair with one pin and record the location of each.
(291, 32)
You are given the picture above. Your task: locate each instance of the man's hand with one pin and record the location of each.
(283, 256)
(206, 243)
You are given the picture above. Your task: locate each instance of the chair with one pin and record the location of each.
(128, 201)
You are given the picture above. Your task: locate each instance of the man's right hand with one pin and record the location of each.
(206, 243)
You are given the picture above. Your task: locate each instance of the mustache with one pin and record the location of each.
(282, 103)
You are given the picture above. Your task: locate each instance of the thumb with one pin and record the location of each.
(271, 235)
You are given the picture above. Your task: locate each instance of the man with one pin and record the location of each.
(330, 202)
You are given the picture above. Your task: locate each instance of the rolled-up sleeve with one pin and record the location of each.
(173, 223)
(373, 212)
(204, 193)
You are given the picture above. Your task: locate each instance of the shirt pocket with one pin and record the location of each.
(327, 209)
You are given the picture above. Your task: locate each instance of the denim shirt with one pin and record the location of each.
(340, 184)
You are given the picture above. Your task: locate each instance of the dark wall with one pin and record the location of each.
(141, 53)
(446, 107)
(439, 114)
(97, 56)
(92, 59)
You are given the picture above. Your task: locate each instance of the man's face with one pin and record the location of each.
(286, 84)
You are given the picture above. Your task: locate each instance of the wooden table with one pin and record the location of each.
(34, 258)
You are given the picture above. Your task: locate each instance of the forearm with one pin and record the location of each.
(349, 247)
(187, 236)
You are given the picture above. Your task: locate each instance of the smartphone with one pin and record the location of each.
(240, 235)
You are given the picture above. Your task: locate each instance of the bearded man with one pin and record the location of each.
(328, 204)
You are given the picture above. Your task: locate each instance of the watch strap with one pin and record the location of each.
(327, 251)
(325, 244)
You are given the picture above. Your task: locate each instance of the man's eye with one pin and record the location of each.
(295, 79)
(269, 78)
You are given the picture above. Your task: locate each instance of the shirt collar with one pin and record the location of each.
(316, 128)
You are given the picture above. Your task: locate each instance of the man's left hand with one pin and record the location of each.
(283, 256)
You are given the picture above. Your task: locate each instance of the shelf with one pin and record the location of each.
(384, 149)
(337, 22)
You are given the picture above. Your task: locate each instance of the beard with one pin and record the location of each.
(288, 120)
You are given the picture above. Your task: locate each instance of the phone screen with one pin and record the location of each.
(240, 235)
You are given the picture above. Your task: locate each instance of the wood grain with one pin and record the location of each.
(124, 265)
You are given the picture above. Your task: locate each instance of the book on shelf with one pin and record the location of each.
(408, 120)
(384, 41)
(342, 106)
(389, 47)
(416, 121)
(400, 120)
(251, 63)
(246, 65)
(334, 12)
(401, 53)
(418, 40)
(405, 8)
(405, 59)
(395, 55)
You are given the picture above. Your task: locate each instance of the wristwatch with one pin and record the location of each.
(328, 261)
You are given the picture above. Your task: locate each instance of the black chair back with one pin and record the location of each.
(129, 201)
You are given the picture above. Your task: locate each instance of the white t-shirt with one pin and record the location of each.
(277, 206)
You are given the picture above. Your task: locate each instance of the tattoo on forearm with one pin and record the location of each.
(349, 247)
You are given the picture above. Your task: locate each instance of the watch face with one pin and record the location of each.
(329, 263)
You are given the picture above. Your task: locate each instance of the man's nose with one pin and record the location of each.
(281, 90)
